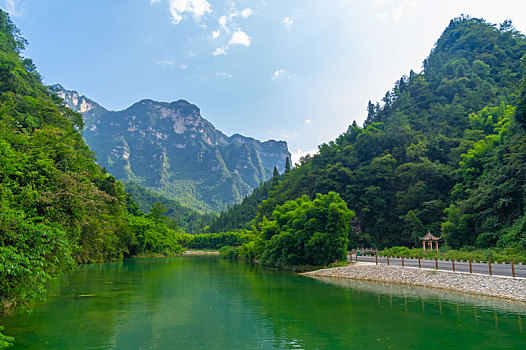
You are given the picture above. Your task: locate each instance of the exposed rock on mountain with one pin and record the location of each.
(172, 149)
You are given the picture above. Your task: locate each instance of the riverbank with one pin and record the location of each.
(493, 286)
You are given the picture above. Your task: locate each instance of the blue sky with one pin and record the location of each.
(294, 70)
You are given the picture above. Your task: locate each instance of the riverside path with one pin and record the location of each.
(447, 265)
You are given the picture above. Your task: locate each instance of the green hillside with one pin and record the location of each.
(57, 206)
(443, 151)
(190, 220)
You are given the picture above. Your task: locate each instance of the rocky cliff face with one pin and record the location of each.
(172, 149)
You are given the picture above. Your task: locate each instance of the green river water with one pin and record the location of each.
(202, 302)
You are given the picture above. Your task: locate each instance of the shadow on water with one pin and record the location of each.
(208, 303)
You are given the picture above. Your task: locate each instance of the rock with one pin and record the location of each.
(494, 286)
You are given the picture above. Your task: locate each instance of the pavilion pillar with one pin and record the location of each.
(436, 242)
(424, 245)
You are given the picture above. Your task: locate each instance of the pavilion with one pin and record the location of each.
(428, 240)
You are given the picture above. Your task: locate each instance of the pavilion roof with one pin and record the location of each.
(430, 237)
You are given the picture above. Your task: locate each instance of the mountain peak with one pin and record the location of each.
(171, 149)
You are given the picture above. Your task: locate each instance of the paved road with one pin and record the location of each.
(483, 268)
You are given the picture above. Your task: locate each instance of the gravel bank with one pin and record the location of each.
(500, 287)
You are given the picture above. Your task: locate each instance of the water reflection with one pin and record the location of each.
(430, 299)
(207, 303)
(432, 295)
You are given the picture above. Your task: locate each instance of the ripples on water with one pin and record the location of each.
(207, 303)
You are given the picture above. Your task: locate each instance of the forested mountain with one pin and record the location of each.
(239, 215)
(443, 151)
(171, 149)
(190, 220)
(58, 207)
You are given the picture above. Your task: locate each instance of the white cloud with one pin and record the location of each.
(278, 73)
(220, 51)
(394, 10)
(246, 13)
(167, 62)
(240, 38)
(307, 121)
(11, 7)
(295, 156)
(224, 75)
(289, 21)
(197, 8)
(170, 62)
(225, 19)
(222, 22)
(282, 73)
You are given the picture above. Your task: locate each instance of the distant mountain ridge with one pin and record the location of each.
(171, 149)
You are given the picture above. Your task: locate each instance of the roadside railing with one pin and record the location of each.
(503, 269)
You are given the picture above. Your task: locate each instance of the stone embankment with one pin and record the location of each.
(493, 286)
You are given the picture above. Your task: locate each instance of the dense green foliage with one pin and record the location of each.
(57, 206)
(307, 232)
(154, 233)
(5, 342)
(218, 240)
(188, 219)
(444, 151)
(239, 215)
(300, 232)
(242, 215)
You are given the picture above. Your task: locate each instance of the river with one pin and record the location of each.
(203, 302)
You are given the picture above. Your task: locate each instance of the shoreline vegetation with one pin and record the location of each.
(490, 286)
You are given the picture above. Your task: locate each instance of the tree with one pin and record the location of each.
(305, 232)
(157, 211)
(287, 165)
(275, 177)
(520, 110)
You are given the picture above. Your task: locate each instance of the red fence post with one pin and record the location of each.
(376, 258)
(403, 265)
(489, 263)
(453, 262)
(470, 268)
(436, 263)
(387, 259)
(513, 269)
(419, 266)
